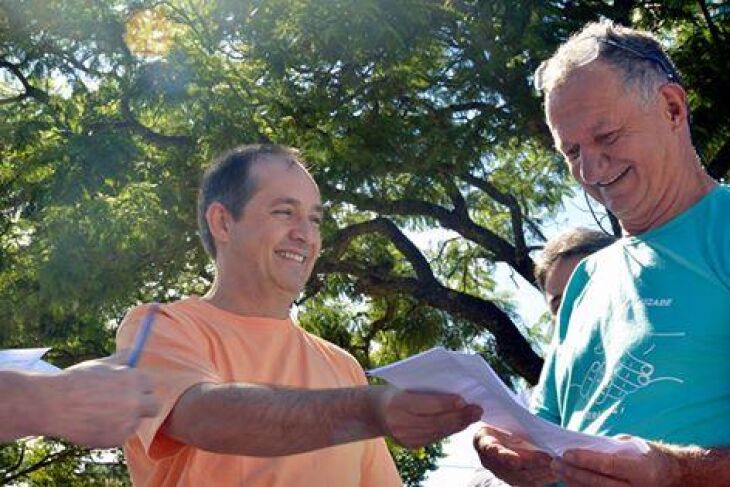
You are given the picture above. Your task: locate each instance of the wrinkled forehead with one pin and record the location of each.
(585, 100)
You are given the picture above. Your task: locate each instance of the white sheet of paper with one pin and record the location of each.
(26, 359)
(471, 377)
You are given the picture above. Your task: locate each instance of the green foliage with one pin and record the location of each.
(39, 463)
(414, 465)
(421, 112)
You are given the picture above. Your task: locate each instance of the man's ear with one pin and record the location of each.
(674, 104)
(219, 222)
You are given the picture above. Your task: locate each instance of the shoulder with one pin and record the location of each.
(171, 316)
(580, 280)
(332, 352)
(601, 258)
(717, 242)
(719, 208)
(723, 192)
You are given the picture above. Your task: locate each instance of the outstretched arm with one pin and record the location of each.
(258, 420)
(98, 403)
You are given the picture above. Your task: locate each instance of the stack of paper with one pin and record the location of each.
(471, 377)
(26, 359)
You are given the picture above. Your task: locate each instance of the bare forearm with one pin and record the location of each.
(697, 466)
(20, 407)
(269, 421)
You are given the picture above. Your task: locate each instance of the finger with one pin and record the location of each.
(478, 435)
(450, 423)
(607, 464)
(514, 441)
(485, 441)
(578, 477)
(496, 432)
(446, 423)
(496, 456)
(533, 459)
(539, 476)
(543, 477)
(512, 457)
(426, 403)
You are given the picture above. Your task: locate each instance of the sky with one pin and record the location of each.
(458, 465)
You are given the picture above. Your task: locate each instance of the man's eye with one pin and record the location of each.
(611, 138)
(317, 220)
(282, 211)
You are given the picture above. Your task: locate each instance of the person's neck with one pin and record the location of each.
(247, 302)
(685, 192)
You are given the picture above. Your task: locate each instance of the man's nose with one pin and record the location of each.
(304, 231)
(593, 165)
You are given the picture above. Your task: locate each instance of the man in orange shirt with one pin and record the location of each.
(246, 394)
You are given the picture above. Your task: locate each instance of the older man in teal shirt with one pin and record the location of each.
(643, 334)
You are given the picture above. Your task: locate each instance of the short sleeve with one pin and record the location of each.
(378, 467)
(176, 358)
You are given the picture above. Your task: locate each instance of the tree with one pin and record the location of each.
(416, 116)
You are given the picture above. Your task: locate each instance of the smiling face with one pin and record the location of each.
(269, 252)
(621, 151)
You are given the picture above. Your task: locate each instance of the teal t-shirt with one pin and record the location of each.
(642, 344)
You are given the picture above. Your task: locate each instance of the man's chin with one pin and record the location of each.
(617, 205)
(294, 287)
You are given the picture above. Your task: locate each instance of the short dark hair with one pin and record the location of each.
(227, 181)
(574, 242)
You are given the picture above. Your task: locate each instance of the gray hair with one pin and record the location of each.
(636, 54)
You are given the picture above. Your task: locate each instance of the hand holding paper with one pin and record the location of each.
(468, 375)
(415, 419)
(98, 403)
(512, 459)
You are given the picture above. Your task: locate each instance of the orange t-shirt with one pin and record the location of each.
(193, 342)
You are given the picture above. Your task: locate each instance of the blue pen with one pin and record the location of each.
(142, 335)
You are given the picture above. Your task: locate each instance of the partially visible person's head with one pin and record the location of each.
(559, 258)
(619, 116)
(259, 212)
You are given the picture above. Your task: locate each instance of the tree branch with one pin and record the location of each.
(425, 287)
(510, 202)
(43, 462)
(387, 228)
(501, 249)
(131, 123)
(714, 31)
(17, 464)
(485, 315)
(522, 261)
(456, 197)
(30, 91)
(719, 167)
